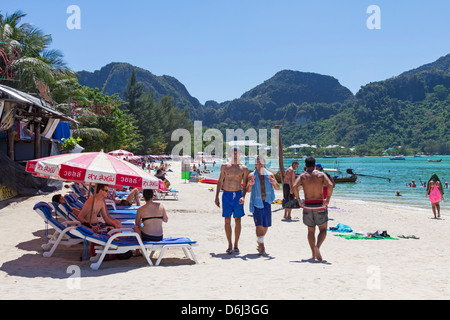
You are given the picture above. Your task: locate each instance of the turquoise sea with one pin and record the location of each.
(401, 173)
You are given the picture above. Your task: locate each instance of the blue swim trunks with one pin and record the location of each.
(230, 204)
(263, 216)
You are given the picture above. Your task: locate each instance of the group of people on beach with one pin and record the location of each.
(236, 181)
(94, 213)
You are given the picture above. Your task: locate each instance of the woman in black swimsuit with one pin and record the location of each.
(149, 219)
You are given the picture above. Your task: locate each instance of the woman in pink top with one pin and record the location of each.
(435, 193)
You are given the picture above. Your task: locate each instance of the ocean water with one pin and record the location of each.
(401, 172)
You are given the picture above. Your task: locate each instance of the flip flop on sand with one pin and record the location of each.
(229, 251)
(235, 250)
(408, 237)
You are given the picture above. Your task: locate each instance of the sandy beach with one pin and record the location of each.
(352, 269)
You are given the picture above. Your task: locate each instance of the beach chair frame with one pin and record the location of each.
(61, 235)
(114, 244)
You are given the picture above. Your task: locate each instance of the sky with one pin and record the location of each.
(220, 49)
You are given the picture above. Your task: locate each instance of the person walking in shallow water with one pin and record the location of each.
(435, 194)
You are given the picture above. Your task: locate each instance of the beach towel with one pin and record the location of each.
(255, 196)
(341, 228)
(43, 204)
(362, 237)
(292, 203)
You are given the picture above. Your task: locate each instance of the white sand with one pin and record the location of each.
(352, 269)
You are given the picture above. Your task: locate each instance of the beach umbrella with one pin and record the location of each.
(92, 167)
(118, 153)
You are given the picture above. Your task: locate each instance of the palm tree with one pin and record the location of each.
(37, 60)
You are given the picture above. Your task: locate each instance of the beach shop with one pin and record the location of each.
(30, 128)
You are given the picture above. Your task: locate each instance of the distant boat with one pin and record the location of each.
(397, 158)
(345, 179)
(432, 160)
(339, 178)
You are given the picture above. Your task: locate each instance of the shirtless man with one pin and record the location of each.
(232, 176)
(288, 187)
(315, 211)
(89, 218)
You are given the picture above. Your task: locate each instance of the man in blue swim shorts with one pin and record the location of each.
(233, 181)
(261, 184)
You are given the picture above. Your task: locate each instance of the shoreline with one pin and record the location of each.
(352, 269)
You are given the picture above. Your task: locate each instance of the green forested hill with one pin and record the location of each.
(286, 97)
(113, 78)
(411, 111)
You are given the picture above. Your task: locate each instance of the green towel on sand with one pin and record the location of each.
(361, 237)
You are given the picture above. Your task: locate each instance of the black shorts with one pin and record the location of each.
(287, 192)
(147, 237)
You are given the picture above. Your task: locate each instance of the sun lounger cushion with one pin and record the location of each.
(131, 241)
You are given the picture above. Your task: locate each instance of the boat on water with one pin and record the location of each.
(434, 160)
(397, 158)
(339, 178)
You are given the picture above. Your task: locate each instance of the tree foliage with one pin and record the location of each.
(156, 120)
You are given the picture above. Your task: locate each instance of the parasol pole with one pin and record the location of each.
(280, 153)
(92, 203)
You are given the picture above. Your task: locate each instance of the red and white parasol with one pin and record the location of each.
(119, 153)
(92, 167)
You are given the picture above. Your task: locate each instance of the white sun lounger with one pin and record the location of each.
(162, 194)
(61, 234)
(124, 241)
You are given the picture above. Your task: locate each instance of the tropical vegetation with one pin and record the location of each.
(407, 114)
(138, 123)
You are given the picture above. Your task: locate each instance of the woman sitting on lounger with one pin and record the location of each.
(133, 196)
(149, 219)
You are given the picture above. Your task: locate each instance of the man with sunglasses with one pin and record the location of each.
(89, 214)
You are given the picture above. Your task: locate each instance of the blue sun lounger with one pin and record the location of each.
(61, 234)
(125, 241)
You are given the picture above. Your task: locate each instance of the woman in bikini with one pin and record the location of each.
(149, 219)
